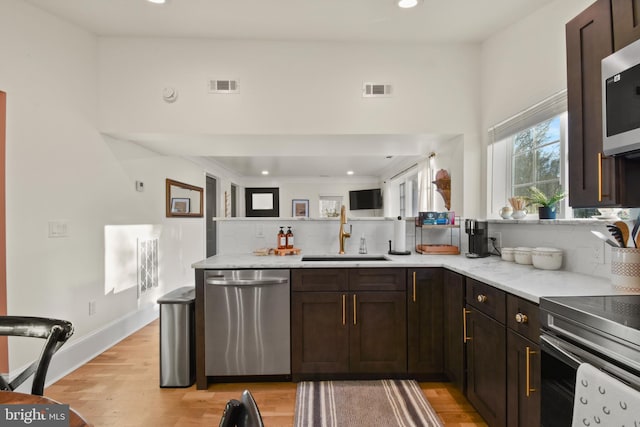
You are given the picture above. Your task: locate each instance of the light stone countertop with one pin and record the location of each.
(522, 280)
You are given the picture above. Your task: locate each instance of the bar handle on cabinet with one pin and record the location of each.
(529, 353)
(601, 195)
(344, 309)
(465, 338)
(414, 286)
(599, 177)
(355, 317)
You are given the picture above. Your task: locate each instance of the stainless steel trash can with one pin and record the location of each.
(177, 338)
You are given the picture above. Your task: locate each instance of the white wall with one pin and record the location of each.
(59, 167)
(524, 64)
(294, 88)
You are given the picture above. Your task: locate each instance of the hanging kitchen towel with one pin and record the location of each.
(601, 400)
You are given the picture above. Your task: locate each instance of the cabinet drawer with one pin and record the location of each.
(377, 279)
(319, 279)
(487, 299)
(523, 317)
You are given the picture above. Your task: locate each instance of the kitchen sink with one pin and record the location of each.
(345, 258)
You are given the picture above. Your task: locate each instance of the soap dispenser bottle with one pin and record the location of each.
(282, 239)
(289, 238)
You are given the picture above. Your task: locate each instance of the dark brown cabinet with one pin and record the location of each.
(485, 340)
(348, 321)
(454, 355)
(594, 179)
(320, 338)
(626, 22)
(425, 329)
(523, 363)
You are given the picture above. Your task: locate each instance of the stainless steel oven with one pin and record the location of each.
(603, 331)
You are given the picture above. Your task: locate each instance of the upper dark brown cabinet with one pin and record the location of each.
(626, 22)
(425, 313)
(594, 179)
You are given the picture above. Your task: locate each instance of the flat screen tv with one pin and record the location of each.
(365, 199)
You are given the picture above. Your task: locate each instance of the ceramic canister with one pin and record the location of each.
(625, 268)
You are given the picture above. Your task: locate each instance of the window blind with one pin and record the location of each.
(550, 107)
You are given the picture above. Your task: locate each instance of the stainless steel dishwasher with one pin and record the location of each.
(247, 322)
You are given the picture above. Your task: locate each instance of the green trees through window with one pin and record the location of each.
(536, 158)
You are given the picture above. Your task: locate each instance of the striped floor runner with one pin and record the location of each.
(363, 403)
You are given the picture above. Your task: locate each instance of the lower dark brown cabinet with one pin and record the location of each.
(320, 336)
(523, 387)
(348, 330)
(425, 313)
(454, 354)
(486, 366)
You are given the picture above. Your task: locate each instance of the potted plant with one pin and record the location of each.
(546, 204)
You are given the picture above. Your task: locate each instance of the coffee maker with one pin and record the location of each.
(478, 232)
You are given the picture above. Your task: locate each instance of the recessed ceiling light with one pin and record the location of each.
(407, 4)
(157, 1)
(349, 172)
(265, 172)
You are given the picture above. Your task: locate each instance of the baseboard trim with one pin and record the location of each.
(76, 353)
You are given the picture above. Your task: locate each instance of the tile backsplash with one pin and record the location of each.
(583, 252)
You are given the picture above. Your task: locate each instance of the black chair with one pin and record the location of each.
(243, 413)
(54, 332)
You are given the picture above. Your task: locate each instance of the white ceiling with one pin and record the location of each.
(433, 21)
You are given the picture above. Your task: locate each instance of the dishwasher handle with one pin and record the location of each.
(245, 282)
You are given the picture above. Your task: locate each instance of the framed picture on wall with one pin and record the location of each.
(180, 205)
(262, 202)
(300, 208)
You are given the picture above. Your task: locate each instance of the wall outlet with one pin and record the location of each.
(598, 254)
(259, 230)
(498, 236)
(92, 308)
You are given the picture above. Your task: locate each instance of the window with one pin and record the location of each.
(527, 150)
(536, 158)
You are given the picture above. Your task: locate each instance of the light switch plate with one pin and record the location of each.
(58, 228)
(139, 186)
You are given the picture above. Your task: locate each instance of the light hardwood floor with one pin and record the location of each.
(120, 388)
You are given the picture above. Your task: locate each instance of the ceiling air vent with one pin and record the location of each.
(370, 90)
(223, 86)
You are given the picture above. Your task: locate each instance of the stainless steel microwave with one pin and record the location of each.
(621, 101)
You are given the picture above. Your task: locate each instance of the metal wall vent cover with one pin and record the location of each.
(223, 86)
(370, 90)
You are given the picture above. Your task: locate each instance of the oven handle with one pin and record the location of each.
(552, 345)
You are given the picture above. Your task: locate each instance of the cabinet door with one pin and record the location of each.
(425, 322)
(591, 176)
(486, 367)
(454, 355)
(378, 332)
(523, 381)
(626, 16)
(319, 332)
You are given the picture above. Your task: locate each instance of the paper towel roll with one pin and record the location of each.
(399, 235)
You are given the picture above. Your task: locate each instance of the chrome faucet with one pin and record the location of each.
(343, 234)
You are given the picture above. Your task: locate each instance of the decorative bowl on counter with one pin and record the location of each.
(508, 254)
(547, 258)
(522, 255)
